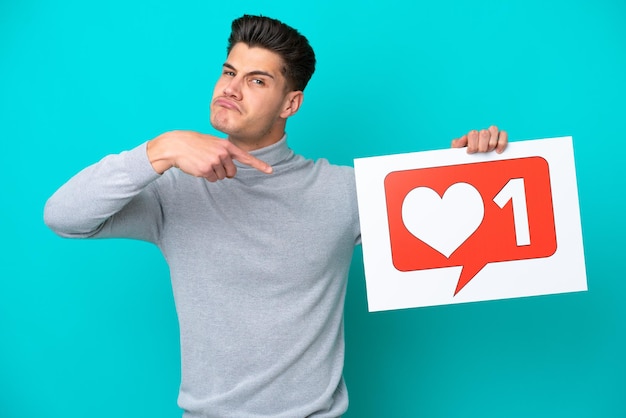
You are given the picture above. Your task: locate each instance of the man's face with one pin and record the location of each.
(251, 101)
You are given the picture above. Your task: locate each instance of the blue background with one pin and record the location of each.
(88, 329)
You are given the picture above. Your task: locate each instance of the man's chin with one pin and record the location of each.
(222, 127)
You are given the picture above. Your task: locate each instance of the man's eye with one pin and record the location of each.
(229, 73)
(258, 82)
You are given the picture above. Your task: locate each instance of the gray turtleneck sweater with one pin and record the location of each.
(258, 265)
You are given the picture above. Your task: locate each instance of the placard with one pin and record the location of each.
(444, 227)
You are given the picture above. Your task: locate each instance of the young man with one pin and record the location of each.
(258, 254)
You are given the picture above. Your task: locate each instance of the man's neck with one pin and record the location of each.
(248, 144)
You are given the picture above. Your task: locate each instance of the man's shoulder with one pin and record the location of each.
(332, 172)
(325, 164)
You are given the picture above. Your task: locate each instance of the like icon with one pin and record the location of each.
(470, 215)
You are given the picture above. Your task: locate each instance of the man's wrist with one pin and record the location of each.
(158, 155)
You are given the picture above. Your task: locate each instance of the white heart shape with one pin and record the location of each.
(446, 222)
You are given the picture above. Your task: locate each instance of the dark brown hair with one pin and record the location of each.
(272, 34)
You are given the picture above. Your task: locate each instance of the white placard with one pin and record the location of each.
(444, 227)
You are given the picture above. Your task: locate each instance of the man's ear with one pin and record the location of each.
(293, 101)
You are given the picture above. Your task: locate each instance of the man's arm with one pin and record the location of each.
(80, 208)
(113, 198)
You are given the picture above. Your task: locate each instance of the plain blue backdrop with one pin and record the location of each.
(88, 329)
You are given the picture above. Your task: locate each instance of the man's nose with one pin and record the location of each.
(233, 87)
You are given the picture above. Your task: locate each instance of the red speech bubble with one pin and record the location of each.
(470, 215)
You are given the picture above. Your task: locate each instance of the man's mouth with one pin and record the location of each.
(226, 103)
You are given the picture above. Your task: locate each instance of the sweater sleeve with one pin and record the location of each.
(116, 197)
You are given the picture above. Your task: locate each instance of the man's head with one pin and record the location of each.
(273, 35)
(268, 66)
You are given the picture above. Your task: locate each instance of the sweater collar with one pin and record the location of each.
(272, 154)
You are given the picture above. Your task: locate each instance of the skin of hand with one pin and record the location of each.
(484, 140)
(199, 155)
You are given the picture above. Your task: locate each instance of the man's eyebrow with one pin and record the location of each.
(255, 72)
